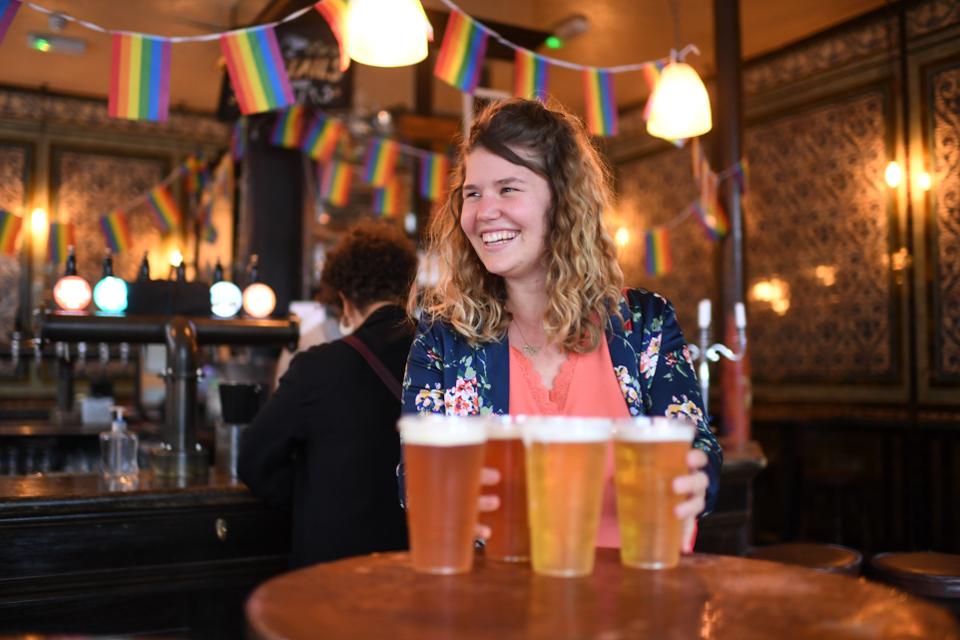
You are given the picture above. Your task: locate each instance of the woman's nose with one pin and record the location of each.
(489, 207)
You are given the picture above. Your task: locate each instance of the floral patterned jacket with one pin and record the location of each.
(445, 374)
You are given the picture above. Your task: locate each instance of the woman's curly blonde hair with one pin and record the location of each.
(584, 279)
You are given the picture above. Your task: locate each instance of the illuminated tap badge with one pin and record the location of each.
(225, 299)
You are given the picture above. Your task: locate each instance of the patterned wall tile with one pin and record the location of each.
(13, 196)
(653, 190)
(818, 238)
(945, 103)
(87, 185)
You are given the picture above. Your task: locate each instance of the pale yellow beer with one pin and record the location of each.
(443, 457)
(509, 539)
(565, 463)
(649, 454)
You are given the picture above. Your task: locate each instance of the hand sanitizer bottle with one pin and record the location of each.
(118, 450)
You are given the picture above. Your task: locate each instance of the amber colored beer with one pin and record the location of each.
(443, 457)
(509, 539)
(565, 461)
(649, 453)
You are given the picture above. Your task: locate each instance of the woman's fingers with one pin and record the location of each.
(691, 484)
(489, 476)
(488, 503)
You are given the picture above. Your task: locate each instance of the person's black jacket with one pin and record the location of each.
(326, 445)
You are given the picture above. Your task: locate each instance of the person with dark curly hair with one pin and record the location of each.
(326, 445)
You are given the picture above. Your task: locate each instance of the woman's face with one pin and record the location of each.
(505, 216)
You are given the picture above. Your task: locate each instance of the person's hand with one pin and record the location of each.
(487, 502)
(694, 487)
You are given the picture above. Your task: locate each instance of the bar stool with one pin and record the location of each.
(927, 574)
(828, 558)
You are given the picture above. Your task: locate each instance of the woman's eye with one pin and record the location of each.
(470, 194)
(507, 189)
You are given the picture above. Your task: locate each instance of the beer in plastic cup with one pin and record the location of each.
(565, 465)
(443, 457)
(509, 534)
(649, 453)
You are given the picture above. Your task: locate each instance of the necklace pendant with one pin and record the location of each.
(530, 350)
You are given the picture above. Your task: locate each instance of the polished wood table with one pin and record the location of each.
(707, 597)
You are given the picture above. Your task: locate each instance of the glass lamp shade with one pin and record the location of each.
(680, 105)
(72, 293)
(259, 300)
(386, 33)
(893, 175)
(110, 294)
(225, 299)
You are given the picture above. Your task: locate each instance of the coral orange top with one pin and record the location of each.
(595, 393)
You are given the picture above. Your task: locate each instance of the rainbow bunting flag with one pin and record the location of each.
(601, 104)
(256, 69)
(380, 161)
(115, 231)
(194, 171)
(288, 130)
(8, 9)
(651, 73)
(166, 213)
(461, 54)
(530, 75)
(335, 182)
(434, 173)
(714, 223)
(322, 138)
(139, 78)
(335, 13)
(238, 139)
(658, 260)
(10, 226)
(62, 236)
(388, 201)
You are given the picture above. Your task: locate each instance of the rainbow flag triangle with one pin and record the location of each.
(388, 200)
(335, 13)
(461, 54)
(601, 103)
(713, 221)
(658, 260)
(322, 138)
(166, 213)
(115, 231)
(62, 236)
(380, 161)
(288, 130)
(530, 75)
(8, 9)
(256, 69)
(434, 174)
(139, 78)
(10, 226)
(335, 182)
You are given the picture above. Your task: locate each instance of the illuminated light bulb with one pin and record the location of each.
(71, 292)
(387, 33)
(924, 181)
(680, 105)
(38, 222)
(176, 258)
(110, 294)
(893, 175)
(225, 297)
(259, 300)
(622, 236)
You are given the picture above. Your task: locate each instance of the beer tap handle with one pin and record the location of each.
(124, 354)
(15, 339)
(103, 351)
(81, 355)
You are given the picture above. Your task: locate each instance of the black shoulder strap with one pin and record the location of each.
(378, 367)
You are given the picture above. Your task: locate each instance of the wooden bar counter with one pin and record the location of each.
(707, 596)
(81, 556)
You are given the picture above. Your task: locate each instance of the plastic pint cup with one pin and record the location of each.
(509, 534)
(443, 457)
(649, 453)
(565, 464)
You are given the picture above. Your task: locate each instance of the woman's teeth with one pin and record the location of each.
(499, 237)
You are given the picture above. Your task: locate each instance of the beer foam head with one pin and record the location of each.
(503, 427)
(653, 429)
(565, 429)
(442, 431)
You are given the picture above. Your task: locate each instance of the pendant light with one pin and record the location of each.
(680, 106)
(387, 33)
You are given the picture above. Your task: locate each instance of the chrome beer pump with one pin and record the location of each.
(705, 353)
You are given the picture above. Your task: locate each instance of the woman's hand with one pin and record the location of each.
(694, 487)
(487, 502)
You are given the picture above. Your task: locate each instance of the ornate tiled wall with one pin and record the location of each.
(818, 229)
(653, 190)
(14, 160)
(945, 167)
(87, 185)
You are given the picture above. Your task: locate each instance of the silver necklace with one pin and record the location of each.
(527, 348)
